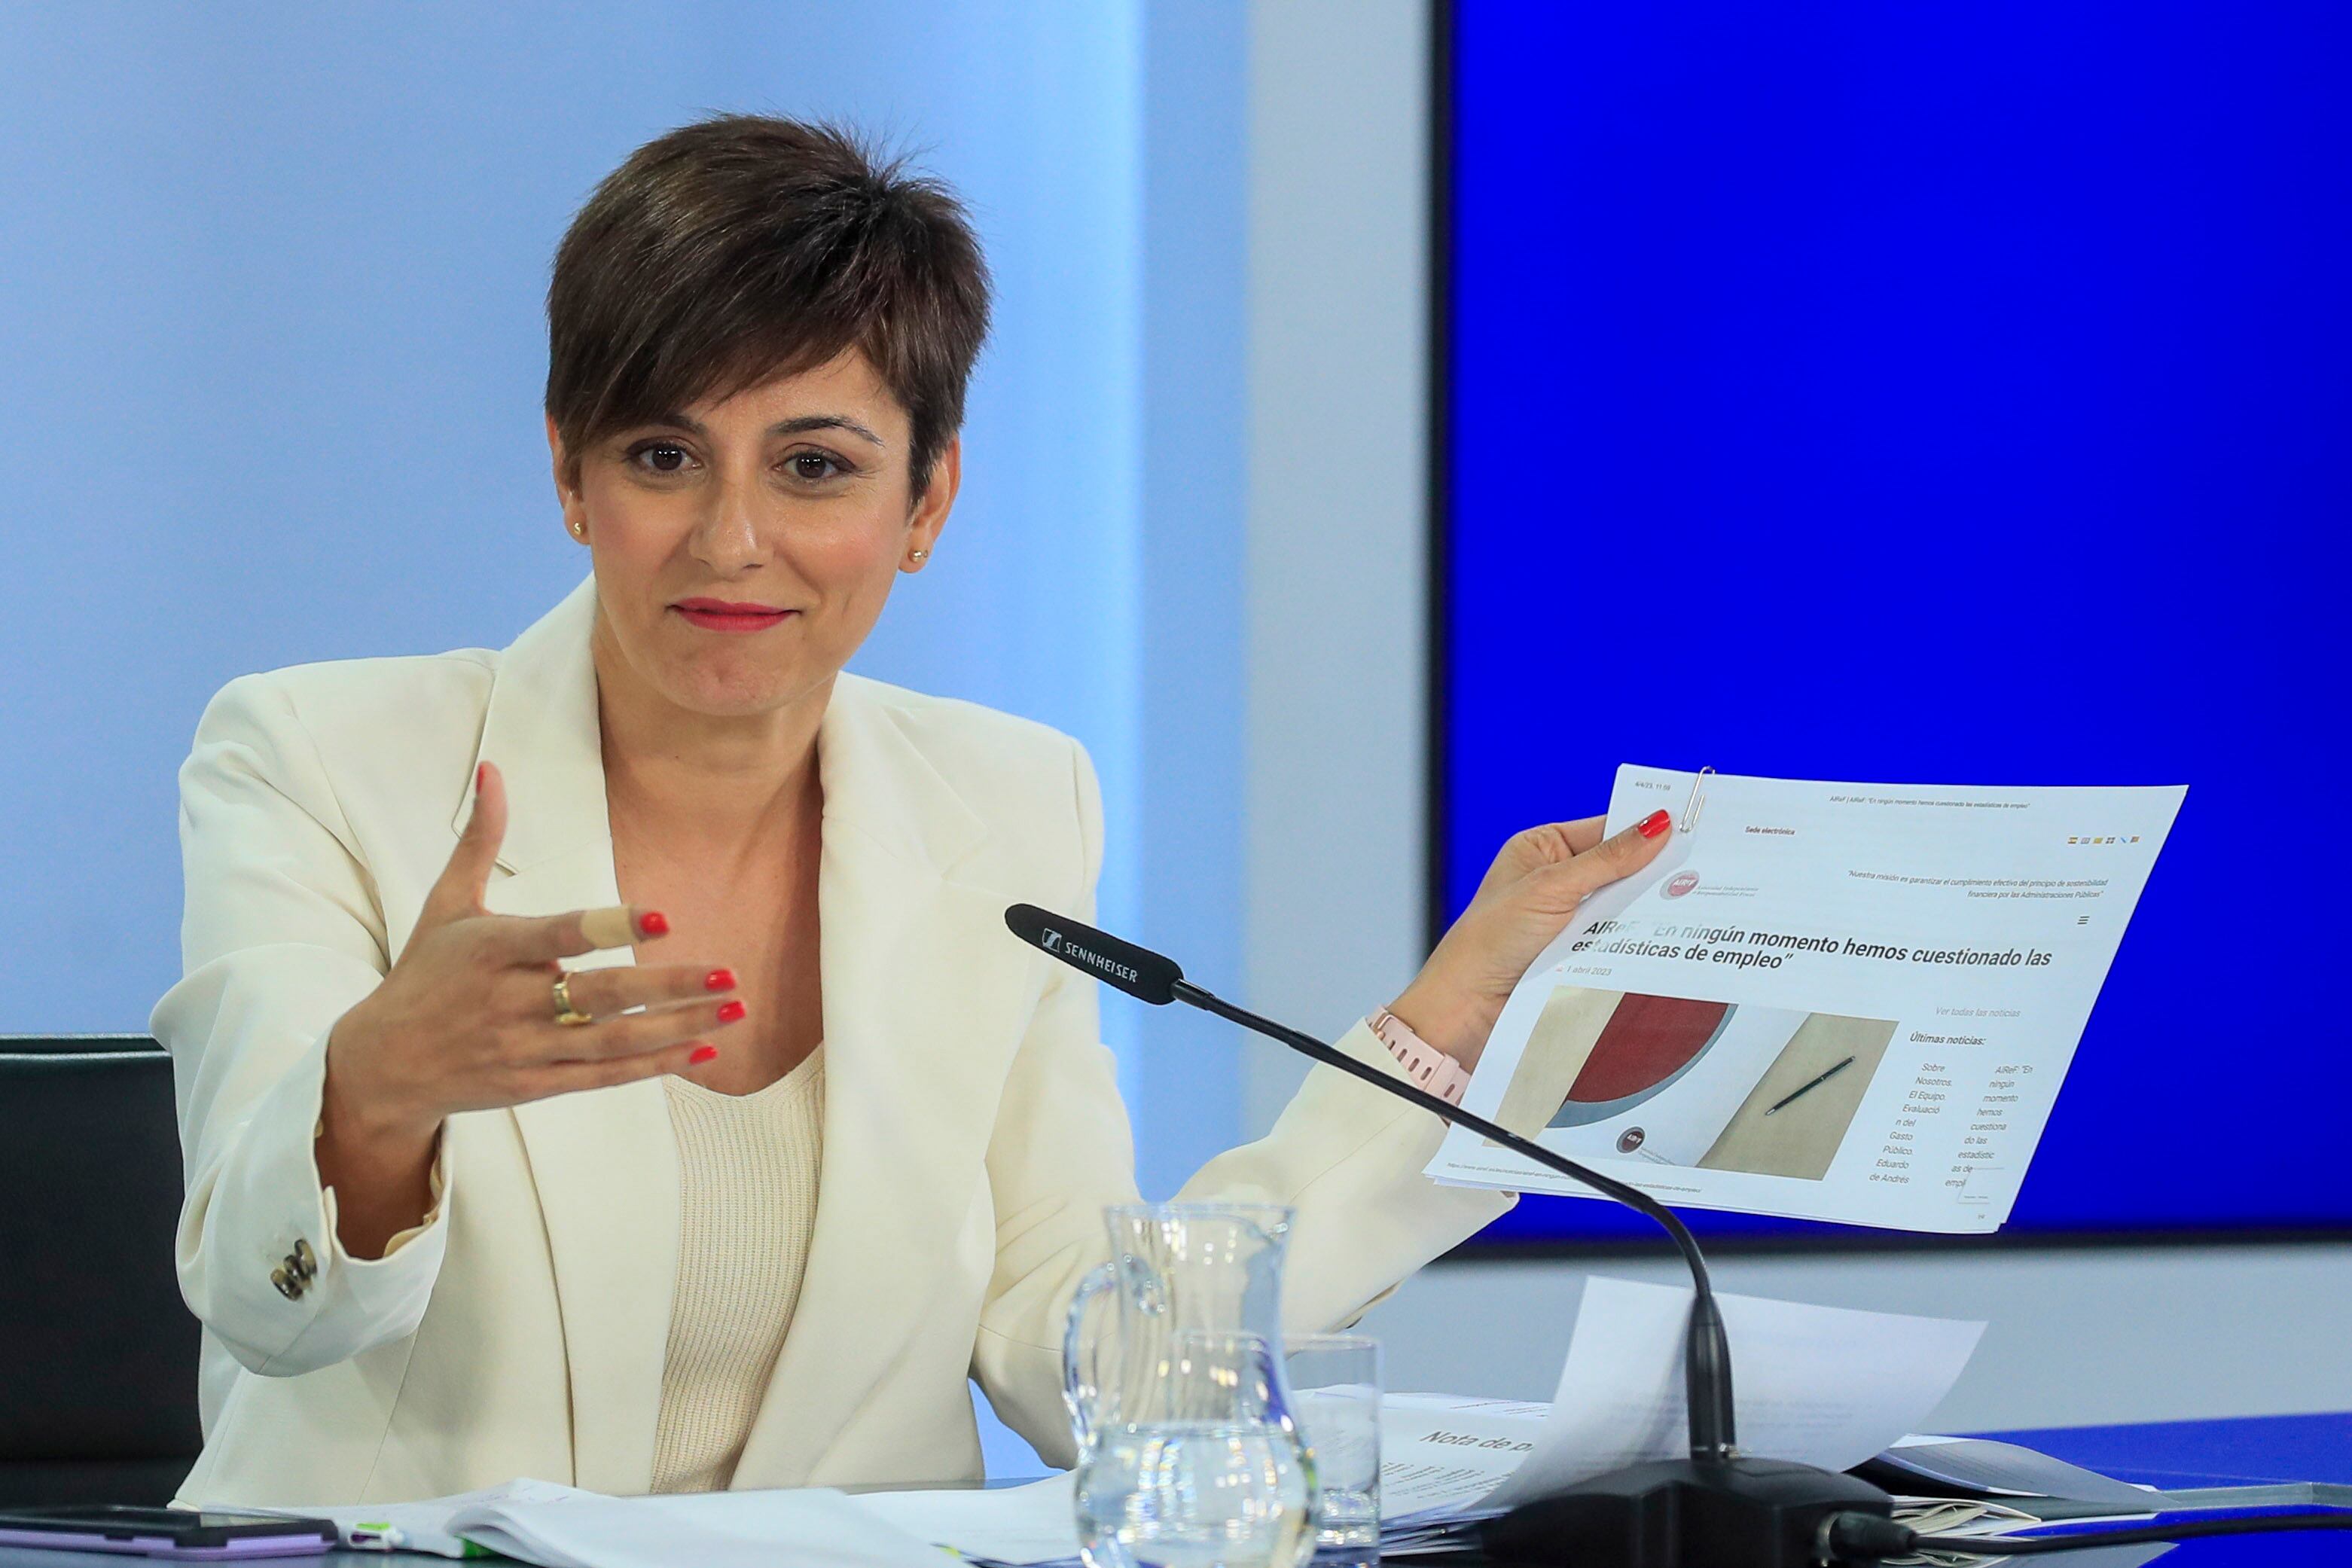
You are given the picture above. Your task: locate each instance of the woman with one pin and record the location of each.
(693, 1122)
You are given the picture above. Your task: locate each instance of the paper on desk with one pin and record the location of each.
(1988, 1468)
(1441, 1453)
(1035, 1523)
(428, 1525)
(1820, 1386)
(563, 1527)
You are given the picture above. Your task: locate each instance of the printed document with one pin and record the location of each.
(557, 1526)
(1820, 1386)
(1825, 1001)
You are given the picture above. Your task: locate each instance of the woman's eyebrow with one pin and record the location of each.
(807, 422)
(795, 427)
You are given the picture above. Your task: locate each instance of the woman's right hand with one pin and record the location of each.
(467, 1021)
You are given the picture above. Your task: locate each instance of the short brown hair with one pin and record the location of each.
(745, 246)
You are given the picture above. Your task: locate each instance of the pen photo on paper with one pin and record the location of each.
(1807, 1088)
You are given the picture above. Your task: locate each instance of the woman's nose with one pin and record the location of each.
(727, 539)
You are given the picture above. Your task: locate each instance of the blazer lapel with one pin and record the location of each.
(918, 1024)
(542, 728)
(604, 1162)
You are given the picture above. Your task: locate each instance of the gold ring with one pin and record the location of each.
(568, 1016)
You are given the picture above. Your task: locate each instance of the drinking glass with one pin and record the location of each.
(1335, 1386)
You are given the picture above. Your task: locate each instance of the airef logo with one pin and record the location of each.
(1681, 883)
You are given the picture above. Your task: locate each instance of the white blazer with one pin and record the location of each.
(973, 1124)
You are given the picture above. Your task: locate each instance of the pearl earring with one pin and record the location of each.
(918, 556)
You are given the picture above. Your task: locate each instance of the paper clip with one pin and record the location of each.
(1697, 799)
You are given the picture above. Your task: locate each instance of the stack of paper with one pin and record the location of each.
(1984, 1468)
(1022, 1526)
(563, 1527)
(1820, 1386)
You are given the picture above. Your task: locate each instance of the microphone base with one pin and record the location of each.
(1684, 1514)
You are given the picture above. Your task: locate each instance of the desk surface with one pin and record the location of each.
(2171, 1454)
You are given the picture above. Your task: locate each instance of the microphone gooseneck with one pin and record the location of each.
(1153, 977)
(1706, 1362)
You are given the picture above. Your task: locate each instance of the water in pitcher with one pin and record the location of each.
(1195, 1494)
(1188, 1454)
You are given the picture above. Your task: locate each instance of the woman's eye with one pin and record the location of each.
(812, 466)
(662, 457)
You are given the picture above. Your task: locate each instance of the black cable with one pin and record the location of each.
(1864, 1537)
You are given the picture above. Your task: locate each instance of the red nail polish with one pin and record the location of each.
(718, 980)
(653, 922)
(481, 769)
(1652, 826)
(731, 1010)
(701, 1054)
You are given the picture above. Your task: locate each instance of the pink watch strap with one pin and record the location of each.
(1424, 1063)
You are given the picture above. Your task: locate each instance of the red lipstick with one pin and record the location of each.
(720, 616)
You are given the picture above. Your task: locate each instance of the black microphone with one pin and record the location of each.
(1715, 1508)
(1140, 973)
(1155, 978)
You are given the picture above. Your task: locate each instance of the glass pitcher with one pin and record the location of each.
(1188, 1455)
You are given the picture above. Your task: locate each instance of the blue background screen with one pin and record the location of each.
(1936, 395)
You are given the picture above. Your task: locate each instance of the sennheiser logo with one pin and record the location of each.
(1053, 942)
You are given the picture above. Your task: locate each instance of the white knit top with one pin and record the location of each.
(747, 1203)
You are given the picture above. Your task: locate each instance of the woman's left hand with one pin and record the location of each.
(1526, 900)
